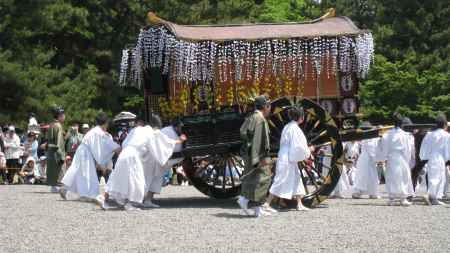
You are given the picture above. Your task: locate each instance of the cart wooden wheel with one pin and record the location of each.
(320, 130)
(216, 175)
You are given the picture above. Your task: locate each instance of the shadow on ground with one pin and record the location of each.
(414, 203)
(196, 202)
(233, 216)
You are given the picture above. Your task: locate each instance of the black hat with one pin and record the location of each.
(406, 121)
(101, 118)
(140, 119)
(365, 125)
(398, 119)
(261, 101)
(57, 111)
(441, 118)
(296, 112)
(155, 121)
(441, 121)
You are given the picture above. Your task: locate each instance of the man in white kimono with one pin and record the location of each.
(154, 172)
(366, 175)
(343, 187)
(412, 142)
(126, 185)
(395, 148)
(95, 151)
(435, 150)
(412, 161)
(293, 149)
(355, 151)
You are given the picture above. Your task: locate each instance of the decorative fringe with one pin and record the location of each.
(243, 60)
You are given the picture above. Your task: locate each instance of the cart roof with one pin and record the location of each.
(242, 52)
(321, 27)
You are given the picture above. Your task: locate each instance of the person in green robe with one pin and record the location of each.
(255, 150)
(55, 149)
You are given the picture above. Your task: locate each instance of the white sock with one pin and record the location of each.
(243, 199)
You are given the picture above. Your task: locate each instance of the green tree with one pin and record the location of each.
(67, 52)
(411, 70)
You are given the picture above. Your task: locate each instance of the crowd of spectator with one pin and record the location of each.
(22, 152)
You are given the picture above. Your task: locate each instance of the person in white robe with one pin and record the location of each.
(435, 150)
(287, 182)
(95, 151)
(154, 172)
(412, 144)
(354, 151)
(395, 148)
(126, 185)
(366, 174)
(343, 188)
(447, 170)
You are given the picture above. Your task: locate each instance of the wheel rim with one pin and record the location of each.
(216, 175)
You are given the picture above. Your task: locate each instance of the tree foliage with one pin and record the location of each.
(67, 52)
(411, 71)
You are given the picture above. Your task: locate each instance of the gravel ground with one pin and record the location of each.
(34, 220)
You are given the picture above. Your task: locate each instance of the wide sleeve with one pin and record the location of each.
(447, 148)
(161, 147)
(260, 144)
(170, 132)
(382, 148)
(425, 148)
(103, 148)
(298, 146)
(373, 148)
(243, 131)
(412, 148)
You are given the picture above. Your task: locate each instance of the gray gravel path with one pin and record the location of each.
(36, 221)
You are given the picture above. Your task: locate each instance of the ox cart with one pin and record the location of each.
(208, 75)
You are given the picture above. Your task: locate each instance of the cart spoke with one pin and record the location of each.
(312, 179)
(302, 166)
(315, 125)
(317, 167)
(230, 167)
(241, 165)
(224, 174)
(216, 173)
(322, 134)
